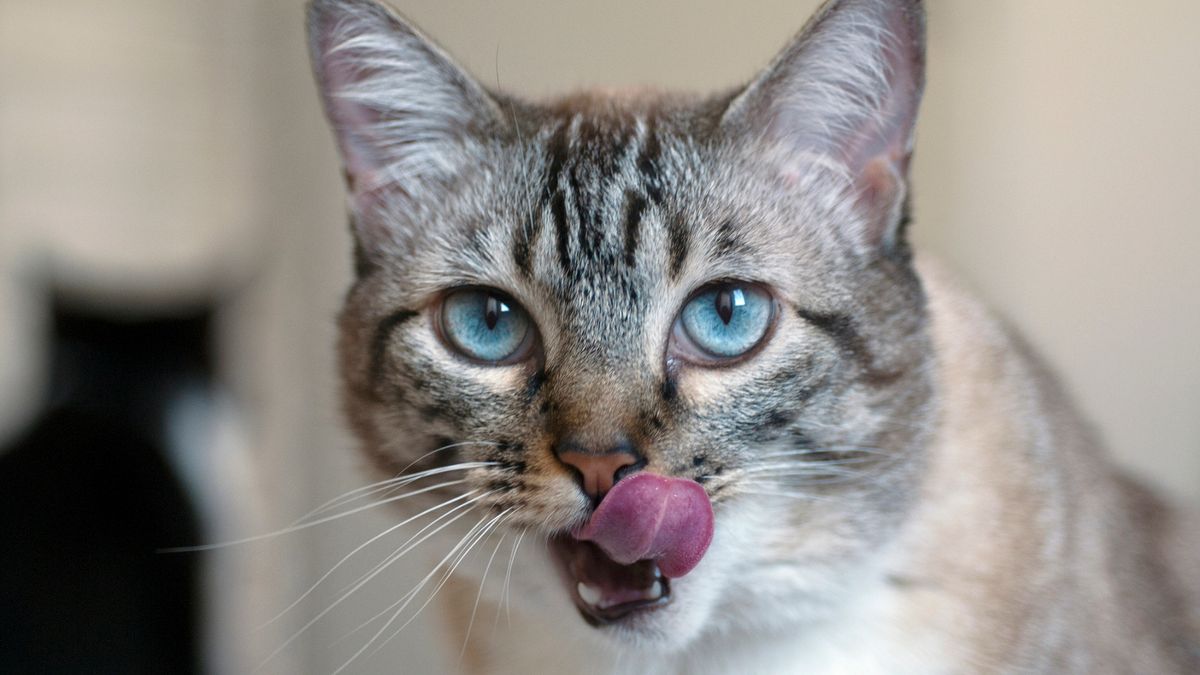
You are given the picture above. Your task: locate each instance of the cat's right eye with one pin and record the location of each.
(486, 325)
(723, 322)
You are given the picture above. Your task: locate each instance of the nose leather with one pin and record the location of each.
(598, 471)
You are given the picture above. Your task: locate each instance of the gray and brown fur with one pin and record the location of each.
(931, 461)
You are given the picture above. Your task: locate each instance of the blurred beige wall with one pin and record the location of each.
(1059, 170)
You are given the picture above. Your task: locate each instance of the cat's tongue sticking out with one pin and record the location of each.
(653, 517)
(647, 530)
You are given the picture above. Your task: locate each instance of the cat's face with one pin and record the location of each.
(713, 290)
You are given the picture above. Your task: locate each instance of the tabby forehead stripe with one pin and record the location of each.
(558, 213)
(647, 163)
(583, 214)
(677, 231)
(635, 206)
(525, 241)
(557, 152)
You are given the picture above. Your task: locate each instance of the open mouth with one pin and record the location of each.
(647, 530)
(606, 591)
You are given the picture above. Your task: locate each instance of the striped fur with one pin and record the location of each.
(825, 453)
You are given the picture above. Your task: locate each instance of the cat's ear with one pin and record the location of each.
(844, 94)
(405, 115)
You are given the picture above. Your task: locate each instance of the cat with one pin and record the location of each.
(683, 343)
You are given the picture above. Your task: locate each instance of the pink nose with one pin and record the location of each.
(597, 471)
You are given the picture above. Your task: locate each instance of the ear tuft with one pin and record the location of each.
(844, 93)
(402, 111)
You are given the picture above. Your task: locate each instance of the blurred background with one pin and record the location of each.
(173, 248)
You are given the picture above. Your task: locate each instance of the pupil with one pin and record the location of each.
(491, 312)
(724, 302)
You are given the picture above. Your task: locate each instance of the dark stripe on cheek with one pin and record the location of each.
(635, 206)
(379, 343)
(669, 390)
(839, 327)
(534, 384)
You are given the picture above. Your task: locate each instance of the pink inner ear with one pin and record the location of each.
(847, 89)
(880, 194)
(352, 123)
(896, 44)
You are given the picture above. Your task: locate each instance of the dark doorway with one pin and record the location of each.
(88, 499)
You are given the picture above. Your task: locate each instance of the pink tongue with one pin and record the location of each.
(652, 517)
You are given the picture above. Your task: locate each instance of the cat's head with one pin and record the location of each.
(553, 297)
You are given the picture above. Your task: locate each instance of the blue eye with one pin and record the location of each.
(727, 320)
(485, 325)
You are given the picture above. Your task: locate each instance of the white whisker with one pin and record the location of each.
(409, 544)
(364, 580)
(392, 484)
(469, 539)
(797, 467)
(382, 485)
(297, 528)
(507, 578)
(475, 608)
(360, 547)
(820, 450)
(789, 495)
(449, 573)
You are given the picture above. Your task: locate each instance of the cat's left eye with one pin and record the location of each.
(723, 322)
(486, 325)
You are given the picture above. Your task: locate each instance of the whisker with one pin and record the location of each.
(385, 483)
(482, 582)
(409, 544)
(469, 540)
(304, 526)
(360, 547)
(507, 578)
(828, 449)
(362, 582)
(832, 465)
(811, 476)
(392, 559)
(789, 495)
(495, 522)
(392, 484)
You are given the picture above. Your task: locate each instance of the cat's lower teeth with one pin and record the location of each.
(591, 596)
(595, 597)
